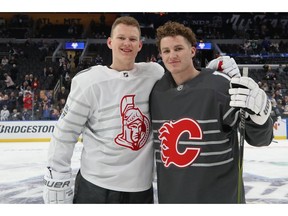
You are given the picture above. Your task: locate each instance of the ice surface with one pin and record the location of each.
(22, 166)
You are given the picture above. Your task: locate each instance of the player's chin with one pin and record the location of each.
(173, 69)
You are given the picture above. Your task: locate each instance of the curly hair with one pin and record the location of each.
(173, 29)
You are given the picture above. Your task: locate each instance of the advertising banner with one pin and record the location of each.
(26, 131)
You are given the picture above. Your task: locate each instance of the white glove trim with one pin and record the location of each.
(57, 187)
(248, 95)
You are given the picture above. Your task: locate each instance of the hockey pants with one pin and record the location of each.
(86, 192)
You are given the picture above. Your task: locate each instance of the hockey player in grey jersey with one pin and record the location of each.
(195, 116)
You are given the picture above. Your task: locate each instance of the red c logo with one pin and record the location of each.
(169, 135)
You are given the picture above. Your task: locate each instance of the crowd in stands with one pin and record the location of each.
(264, 51)
(274, 83)
(28, 95)
(28, 81)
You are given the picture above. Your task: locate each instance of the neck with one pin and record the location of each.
(183, 77)
(122, 66)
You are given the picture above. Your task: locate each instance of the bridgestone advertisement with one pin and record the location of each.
(26, 131)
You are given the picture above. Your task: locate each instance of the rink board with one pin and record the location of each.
(41, 131)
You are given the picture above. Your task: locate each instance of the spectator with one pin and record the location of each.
(50, 78)
(35, 84)
(4, 101)
(15, 115)
(12, 102)
(280, 69)
(63, 94)
(31, 78)
(46, 113)
(19, 103)
(27, 78)
(61, 103)
(280, 106)
(278, 95)
(55, 114)
(9, 82)
(270, 74)
(28, 101)
(23, 87)
(4, 115)
(14, 71)
(26, 115)
(285, 111)
(285, 102)
(265, 86)
(12, 60)
(4, 61)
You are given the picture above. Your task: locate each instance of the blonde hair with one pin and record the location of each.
(126, 20)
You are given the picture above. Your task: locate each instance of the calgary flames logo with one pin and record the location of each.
(170, 133)
(135, 126)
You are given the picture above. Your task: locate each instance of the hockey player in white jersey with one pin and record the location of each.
(109, 106)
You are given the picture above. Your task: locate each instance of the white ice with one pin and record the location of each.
(22, 166)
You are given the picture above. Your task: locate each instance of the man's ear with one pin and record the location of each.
(109, 42)
(140, 45)
(193, 51)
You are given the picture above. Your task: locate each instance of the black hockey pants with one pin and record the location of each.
(86, 192)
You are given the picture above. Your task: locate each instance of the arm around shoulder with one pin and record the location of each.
(157, 69)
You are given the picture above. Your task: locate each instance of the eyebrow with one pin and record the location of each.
(176, 46)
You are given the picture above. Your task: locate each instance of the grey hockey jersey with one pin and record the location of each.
(196, 141)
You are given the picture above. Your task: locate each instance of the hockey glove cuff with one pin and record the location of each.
(57, 188)
(245, 93)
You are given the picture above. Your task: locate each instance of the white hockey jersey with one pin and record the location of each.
(111, 110)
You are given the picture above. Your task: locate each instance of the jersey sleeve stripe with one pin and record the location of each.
(79, 102)
(63, 141)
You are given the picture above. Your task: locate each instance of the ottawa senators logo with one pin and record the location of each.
(135, 125)
(169, 135)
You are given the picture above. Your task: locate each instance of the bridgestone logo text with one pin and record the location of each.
(27, 129)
